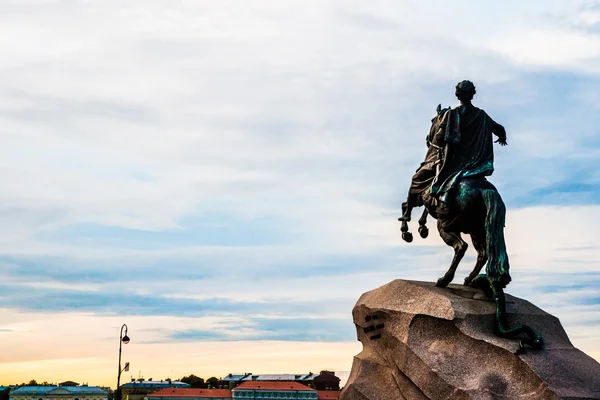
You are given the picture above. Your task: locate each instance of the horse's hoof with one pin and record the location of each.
(407, 237)
(423, 231)
(441, 282)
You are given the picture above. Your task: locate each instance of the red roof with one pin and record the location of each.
(187, 392)
(273, 385)
(329, 394)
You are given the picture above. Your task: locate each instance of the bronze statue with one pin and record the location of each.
(452, 186)
(460, 146)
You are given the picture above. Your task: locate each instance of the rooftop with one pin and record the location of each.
(68, 383)
(269, 377)
(329, 394)
(155, 384)
(188, 392)
(236, 377)
(38, 390)
(276, 377)
(273, 385)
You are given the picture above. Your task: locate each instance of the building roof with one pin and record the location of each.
(308, 377)
(68, 383)
(155, 384)
(269, 377)
(326, 375)
(328, 394)
(188, 392)
(273, 385)
(43, 390)
(276, 377)
(236, 377)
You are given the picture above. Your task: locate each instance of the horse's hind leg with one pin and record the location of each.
(454, 240)
(480, 245)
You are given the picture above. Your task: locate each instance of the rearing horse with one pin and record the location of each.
(477, 209)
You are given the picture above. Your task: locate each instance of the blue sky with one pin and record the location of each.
(231, 174)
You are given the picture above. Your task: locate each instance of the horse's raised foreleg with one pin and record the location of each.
(480, 245)
(423, 230)
(454, 240)
(406, 235)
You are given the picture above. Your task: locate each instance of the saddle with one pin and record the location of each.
(434, 205)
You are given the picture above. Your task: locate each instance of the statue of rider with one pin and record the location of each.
(462, 148)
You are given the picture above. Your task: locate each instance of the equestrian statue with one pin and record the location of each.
(451, 184)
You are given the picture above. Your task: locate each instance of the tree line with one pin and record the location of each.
(33, 382)
(197, 382)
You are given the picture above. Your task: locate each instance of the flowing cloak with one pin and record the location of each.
(468, 149)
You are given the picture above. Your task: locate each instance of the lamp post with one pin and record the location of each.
(122, 340)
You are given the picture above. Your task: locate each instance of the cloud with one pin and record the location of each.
(243, 166)
(287, 329)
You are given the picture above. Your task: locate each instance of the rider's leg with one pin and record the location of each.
(420, 183)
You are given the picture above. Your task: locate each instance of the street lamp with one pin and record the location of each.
(122, 340)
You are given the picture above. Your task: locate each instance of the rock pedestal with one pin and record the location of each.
(423, 342)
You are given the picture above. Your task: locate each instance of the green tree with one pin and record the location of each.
(4, 394)
(32, 382)
(212, 382)
(194, 381)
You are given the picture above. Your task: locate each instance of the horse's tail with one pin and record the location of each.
(497, 267)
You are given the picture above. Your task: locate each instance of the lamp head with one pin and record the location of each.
(125, 339)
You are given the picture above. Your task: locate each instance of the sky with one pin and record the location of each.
(225, 177)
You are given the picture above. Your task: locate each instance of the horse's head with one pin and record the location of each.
(437, 120)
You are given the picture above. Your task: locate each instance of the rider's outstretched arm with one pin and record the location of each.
(499, 131)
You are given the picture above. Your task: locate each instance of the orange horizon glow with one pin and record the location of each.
(89, 356)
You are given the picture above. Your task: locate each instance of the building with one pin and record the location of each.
(328, 394)
(325, 380)
(190, 394)
(233, 380)
(138, 389)
(263, 390)
(58, 393)
(68, 383)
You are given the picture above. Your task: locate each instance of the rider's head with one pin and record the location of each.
(465, 91)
